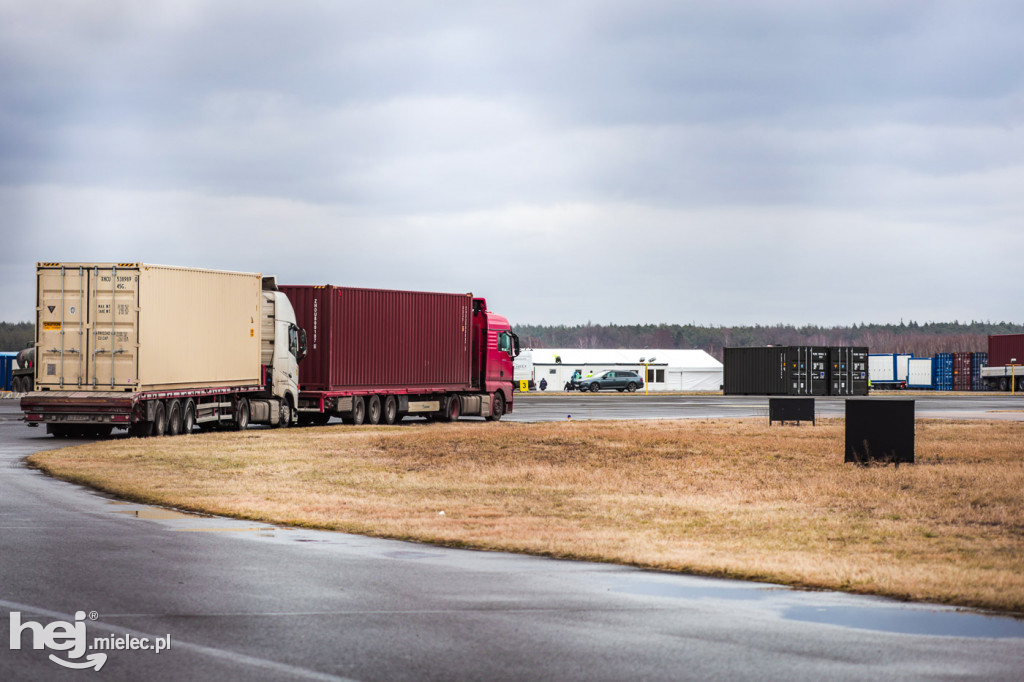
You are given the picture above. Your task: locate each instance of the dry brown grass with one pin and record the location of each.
(723, 498)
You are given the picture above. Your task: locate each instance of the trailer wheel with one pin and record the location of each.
(159, 419)
(497, 407)
(390, 409)
(241, 415)
(188, 417)
(174, 417)
(358, 414)
(1004, 385)
(373, 410)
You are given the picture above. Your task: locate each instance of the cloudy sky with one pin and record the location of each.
(728, 162)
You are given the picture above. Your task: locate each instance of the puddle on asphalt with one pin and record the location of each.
(157, 514)
(910, 621)
(410, 554)
(701, 590)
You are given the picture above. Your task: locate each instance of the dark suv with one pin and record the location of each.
(620, 380)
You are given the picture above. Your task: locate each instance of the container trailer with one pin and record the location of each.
(159, 350)
(1004, 362)
(377, 356)
(22, 376)
(888, 370)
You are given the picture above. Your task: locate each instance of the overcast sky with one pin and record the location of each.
(727, 162)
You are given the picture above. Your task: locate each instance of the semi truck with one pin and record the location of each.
(1005, 360)
(21, 377)
(160, 350)
(377, 356)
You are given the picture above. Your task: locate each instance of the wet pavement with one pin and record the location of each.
(245, 600)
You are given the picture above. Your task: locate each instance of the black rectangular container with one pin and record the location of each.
(755, 371)
(848, 370)
(776, 370)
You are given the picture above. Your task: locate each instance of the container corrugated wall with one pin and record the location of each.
(6, 370)
(131, 326)
(848, 370)
(364, 339)
(978, 360)
(943, 368)
(795, 370)
(1004, 348)
(755, 371)
(961, 371)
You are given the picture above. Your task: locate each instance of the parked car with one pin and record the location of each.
(618, 379)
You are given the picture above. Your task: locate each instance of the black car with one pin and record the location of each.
(620, 380)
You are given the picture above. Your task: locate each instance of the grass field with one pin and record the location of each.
(731, 498)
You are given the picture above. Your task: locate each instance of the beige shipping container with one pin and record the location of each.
(138, 327)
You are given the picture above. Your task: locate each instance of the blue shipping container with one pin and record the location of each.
(943, 368)
(978, 360)
(6, 370)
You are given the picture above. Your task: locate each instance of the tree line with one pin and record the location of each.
(16, 335)
(911, 337)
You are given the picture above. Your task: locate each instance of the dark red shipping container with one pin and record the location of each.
(1002, 348)
(961, 371)
(359, 339)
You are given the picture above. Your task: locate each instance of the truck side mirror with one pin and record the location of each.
(515, 345)
(302, 344)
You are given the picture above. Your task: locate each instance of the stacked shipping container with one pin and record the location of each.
(943, 371)
(961, 371)
(978, 360)
(796, 370)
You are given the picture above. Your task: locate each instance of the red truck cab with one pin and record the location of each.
(496, 347)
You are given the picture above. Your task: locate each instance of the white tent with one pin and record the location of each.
(667, 369)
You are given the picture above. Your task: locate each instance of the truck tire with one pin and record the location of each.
(390, 410)
(241, 415)
(497, 407)
(188, 417)
(358, 414)
(159, 419)
(373, 410)
(174, 417)
(451, 409)
(286, 414)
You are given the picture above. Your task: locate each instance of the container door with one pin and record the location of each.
(61, 325)
(114, 315)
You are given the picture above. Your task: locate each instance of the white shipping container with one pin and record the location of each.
(135, 327)
(919, 373)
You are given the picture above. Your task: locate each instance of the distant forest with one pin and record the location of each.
(920, 339)
(16, 335)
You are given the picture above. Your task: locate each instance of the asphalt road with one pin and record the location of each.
(613, 405)
(249, 601)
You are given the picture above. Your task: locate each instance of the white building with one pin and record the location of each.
(667, 369)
